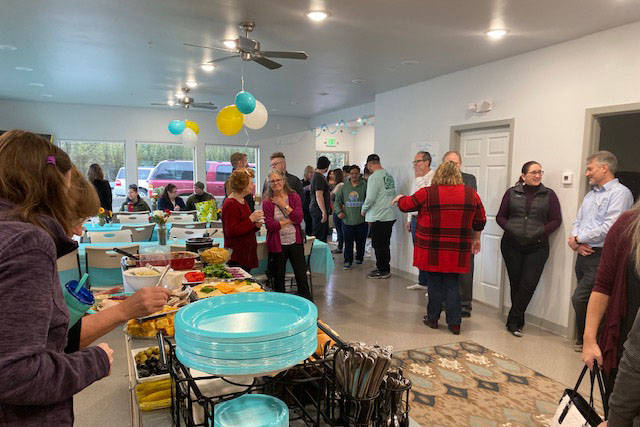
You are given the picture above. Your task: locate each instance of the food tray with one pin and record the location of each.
(135, 366)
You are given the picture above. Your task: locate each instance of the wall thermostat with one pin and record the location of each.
(567, 178)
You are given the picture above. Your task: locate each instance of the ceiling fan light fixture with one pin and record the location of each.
(207, 67)
(317, 15)
(229, 44)
(171, 103)
(496, 34)
(192, 83)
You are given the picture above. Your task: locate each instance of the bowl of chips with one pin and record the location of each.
(215, 255)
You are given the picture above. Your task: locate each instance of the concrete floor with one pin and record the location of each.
(372, 311)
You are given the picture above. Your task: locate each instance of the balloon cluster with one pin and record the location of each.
(247, 111)
(188, 129)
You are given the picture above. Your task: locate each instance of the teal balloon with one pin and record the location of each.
(245, 102)
(176, 127)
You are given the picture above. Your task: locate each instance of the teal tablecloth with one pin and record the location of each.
(321, 261)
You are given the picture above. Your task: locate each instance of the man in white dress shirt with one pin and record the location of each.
(423, 175)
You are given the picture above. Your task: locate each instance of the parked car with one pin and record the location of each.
(180, 173)
(120, 185)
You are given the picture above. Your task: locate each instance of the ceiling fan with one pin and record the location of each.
(187, 102)
(249, 50)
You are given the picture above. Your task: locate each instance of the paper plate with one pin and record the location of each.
(246, 366)
(247, 317)
(254, 350)
(256, 410)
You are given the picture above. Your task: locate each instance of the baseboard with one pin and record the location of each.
(539, 322)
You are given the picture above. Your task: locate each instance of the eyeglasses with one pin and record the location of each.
(535, 173)
(415, 162)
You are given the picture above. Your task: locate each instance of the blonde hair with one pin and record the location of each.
(447, 173)
(32, 178)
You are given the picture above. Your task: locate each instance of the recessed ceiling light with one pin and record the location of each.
(317, 15)
(229, 44)
(8, 47)
(192, 83)
(496, 34)
(47, 95)
(171, 103)
(24, 68)
(179, 94)
(34, 84)
(410, 62)
(358, 81)
(208, 67)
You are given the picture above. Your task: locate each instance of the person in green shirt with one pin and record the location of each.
(379, 213)
(347, 206)
(199, 195)
(134, 202)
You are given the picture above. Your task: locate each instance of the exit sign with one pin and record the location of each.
(331, 142)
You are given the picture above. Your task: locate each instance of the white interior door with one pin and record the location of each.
(485, 154)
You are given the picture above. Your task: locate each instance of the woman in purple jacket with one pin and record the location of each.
(37, 379)
(282, 209)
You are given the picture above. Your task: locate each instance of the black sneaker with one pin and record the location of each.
(379, 275)
(346, 266)
(376, 271)
(358, 261)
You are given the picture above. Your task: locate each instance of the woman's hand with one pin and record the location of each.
(144, 302)
(177, 208)
(105, 347)
(395, 200)
(256, 216)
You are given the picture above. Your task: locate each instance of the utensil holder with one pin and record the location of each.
(395, 403)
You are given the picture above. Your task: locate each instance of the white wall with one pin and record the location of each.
(344, 140)
(546, 92)
(363, 145)
(130, 125)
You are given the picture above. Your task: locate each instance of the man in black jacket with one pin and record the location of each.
(279, 163)
(465, 280)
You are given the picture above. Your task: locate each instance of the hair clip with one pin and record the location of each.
(51, 160)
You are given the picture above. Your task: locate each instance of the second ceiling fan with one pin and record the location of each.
(249, 50)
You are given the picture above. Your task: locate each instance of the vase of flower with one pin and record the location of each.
(161, 218)
(104, 216)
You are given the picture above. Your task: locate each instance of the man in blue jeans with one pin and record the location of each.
(423, 175)
(347, 207)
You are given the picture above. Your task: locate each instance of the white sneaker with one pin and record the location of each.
(416, 286)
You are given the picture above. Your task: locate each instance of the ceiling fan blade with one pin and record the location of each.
(287, 55)
(224, 58)
(209, 47)
(205, 105)
(272, 65)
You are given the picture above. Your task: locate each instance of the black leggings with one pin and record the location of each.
(278, 267)
(524, 267)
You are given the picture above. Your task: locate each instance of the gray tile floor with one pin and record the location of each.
(372, 311)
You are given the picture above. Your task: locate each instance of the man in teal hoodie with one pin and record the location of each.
(380, 215)
(348, 204)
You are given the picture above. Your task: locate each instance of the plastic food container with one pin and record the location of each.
(183, 260)
(156, 259)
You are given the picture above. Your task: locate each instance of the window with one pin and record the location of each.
(338, 158)
(169, 164)
(109, 155)
(223, 172)
(143, 173)
(219, 165)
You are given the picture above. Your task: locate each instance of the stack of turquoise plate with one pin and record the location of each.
(255, 410)
(248, 333)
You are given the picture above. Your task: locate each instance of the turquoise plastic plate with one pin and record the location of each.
(256, 410)
(254, 350)
(246, 366)
(246, 317)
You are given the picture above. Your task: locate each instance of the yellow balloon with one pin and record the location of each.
(229, 120)
(193, 126)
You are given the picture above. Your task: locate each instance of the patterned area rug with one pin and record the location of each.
(466, 384)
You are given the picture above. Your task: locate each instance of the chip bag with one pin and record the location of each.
(207, 211)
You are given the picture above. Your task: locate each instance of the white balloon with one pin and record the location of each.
(258, 118)
(189, 138)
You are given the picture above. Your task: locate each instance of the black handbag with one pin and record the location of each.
(574, 410)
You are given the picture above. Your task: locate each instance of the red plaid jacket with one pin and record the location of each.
(447, 217)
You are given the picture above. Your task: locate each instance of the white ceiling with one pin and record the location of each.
(130, 52)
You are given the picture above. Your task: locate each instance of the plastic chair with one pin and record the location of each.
(110, 236)
(192, 225)
(133, 219)
(185, 233)
(182, 217)
(140, 233)
(105, 259)
(69, 267)
(117, 216)
(263, 253)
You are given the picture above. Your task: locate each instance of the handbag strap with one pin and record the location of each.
(584, 371)
(603, 396)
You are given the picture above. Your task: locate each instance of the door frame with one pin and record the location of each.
(454, 144)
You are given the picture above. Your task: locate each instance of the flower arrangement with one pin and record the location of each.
(155, 195)
(104, 216)
(161, 217)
